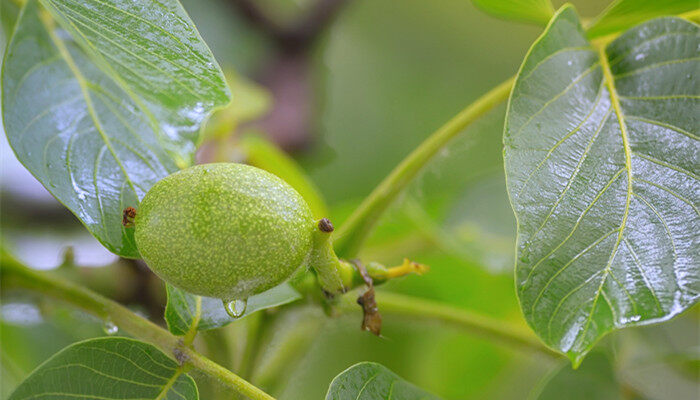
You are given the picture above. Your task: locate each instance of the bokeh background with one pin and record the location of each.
(347, 89)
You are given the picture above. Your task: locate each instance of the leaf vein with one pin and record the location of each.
(664, 125)
(671, 192)
(647, 282)
(578, 221)
(574, 174)
(563, 268)
(557, 96)
(562, 140)
(654, 66)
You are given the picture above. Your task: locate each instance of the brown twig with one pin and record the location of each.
(372, 320)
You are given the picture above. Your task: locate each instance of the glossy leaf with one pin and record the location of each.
(623, 14)
(154, 52)
(8, 16)
(372, 381)
(183, 313)
(31, 333)
(595, 379)
(103, 108)
(108, 368)
(601, 160)
(537, 11)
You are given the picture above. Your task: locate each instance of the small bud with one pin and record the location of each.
(180, 356)
(325, 225)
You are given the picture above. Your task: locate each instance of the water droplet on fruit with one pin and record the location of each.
(235, 308)
(110, 328)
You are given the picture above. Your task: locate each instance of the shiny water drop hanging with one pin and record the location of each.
(110, 328)
(235, 308)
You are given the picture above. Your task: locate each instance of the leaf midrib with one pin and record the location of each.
(77, 13)
(169, 385)
(615, 101)
(47, 23)
(143, 60)
(107, 69)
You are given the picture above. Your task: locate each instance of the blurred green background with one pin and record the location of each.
(348, 105)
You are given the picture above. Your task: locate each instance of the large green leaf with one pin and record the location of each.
(108, 368)
(8, 17)
(601, 153)
(372, 381)
(186, 312)
(623, 14)
(30, 334)
(154, 52)
(102, 108)
(537, 11)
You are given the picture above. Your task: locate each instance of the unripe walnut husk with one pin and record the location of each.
(224, 230)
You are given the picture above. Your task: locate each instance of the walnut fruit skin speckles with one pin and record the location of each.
(224, 230)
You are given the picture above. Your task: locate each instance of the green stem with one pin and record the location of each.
(15, 274)
(358, 226)
(504, 332)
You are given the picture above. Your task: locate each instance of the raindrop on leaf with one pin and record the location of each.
(110, 328)
(235, 308)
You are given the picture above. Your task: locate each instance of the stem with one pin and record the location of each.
(331, 274)
(486, 326)
(192, 332)
(15, 274)
(358, 226)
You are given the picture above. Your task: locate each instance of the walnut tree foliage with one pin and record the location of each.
(101, 99)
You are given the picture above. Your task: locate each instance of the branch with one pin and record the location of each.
(15, 274)
(504, 332)
(353, 233)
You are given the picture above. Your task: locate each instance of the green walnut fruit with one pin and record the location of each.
(225, 230)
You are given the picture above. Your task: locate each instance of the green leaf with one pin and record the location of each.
(601, 161)
(32, 333)
(8, 17)
(102, 109)
(372, 381)
(595, 379)
(154, 52)
(537, 11)
(108, 368)
(623, 14)
(186, 312)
